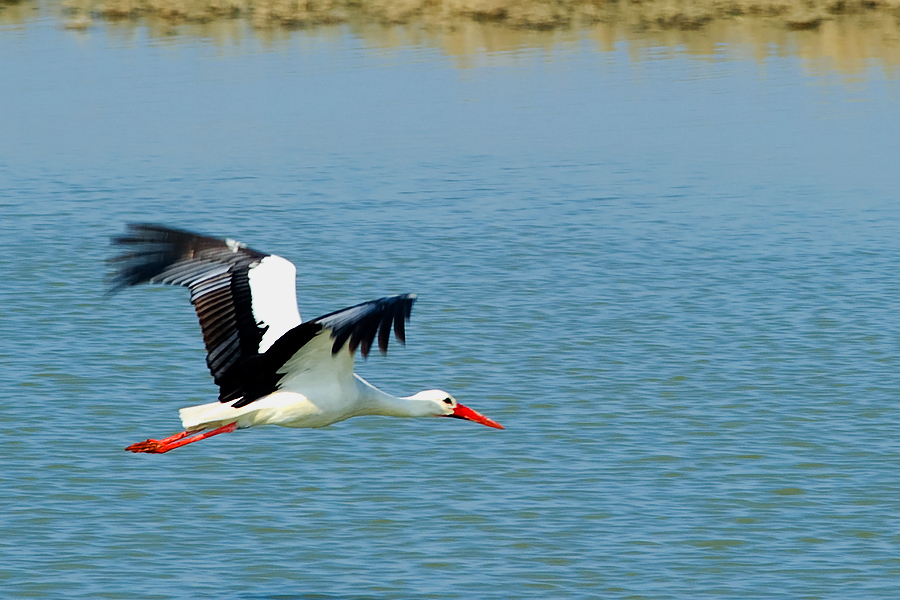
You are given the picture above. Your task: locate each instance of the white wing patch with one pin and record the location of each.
(274, 293)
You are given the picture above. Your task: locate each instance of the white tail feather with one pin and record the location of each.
(206, 415)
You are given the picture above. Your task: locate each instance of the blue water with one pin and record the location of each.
(674, 280)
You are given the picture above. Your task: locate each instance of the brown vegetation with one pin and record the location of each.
(848, 35)
(528, 14)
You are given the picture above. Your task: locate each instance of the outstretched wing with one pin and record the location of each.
(316, 349)
(245, 299)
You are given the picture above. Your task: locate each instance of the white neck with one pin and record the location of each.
(375, 402)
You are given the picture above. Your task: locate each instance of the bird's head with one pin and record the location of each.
(446, 405)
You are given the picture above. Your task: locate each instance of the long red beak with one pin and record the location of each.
(464, 412)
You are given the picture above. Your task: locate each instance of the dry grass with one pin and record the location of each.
(16, 12)
(521, 14)
(849, 36)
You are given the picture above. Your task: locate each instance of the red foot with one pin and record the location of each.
(149, 446)
(177, 440)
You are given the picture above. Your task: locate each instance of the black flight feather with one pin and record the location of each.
(217, 273)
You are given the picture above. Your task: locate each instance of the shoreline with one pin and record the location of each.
(863, 35)
(638, 15)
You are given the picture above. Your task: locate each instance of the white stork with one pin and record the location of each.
(271, 368)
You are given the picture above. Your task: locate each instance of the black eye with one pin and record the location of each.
(448, 400)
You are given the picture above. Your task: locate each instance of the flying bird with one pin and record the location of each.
(271, 367)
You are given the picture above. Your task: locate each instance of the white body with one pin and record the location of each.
(294, 409)
(320, 390)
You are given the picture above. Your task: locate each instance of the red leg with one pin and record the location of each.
(177, 436)
(177, 440)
